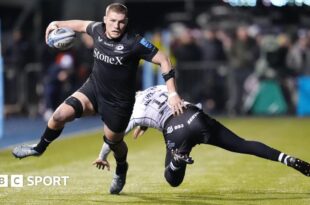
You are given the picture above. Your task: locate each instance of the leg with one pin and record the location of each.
(174, 171)
(179, 143)
(120, 149)
(66, 112)
(117, 145)
(116, 120)
(73, 107)
(226, 139)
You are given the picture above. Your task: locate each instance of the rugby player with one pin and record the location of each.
(183, 132)
(110, 88)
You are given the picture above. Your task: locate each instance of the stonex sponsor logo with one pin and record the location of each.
(108, 59)
(21, 181)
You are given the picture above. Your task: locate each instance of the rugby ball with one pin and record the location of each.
(61, 38)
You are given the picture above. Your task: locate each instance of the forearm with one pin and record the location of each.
(76, 25)
(130, 125)
(105, 151)
(171, 85)
(165, 63)
(165, 67)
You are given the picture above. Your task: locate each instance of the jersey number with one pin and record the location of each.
(160, 101)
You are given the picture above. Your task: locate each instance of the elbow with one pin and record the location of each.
(163, 61)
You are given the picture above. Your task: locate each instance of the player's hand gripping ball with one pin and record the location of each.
(61, 38)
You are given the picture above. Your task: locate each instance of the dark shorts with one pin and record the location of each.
(188, 129)
(116, 117)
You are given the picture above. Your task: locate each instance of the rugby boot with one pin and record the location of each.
(119, 179)
(299, 165)
(23, 151)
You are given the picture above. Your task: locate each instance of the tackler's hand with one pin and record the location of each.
(139, 131)
(101, 164)
(176, 103)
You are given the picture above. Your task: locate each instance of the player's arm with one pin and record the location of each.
(76, 25)
(139, 131)
(101, 162)
(174, 100)
(132, 124)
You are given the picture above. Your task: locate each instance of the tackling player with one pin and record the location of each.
(183, 132)
(110, 88)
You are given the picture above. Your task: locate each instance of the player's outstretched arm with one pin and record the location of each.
(75, 25)
(101, 162)
(174, 100)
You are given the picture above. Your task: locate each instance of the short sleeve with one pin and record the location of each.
(145, 49)
(91, 27)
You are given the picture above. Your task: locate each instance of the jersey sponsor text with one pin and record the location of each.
(117, 60)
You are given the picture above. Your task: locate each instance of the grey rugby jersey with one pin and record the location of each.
(151, 108)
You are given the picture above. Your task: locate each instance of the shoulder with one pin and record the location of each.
(131, 37)
(94, 27)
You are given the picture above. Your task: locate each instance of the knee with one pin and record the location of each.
(111, 136)
(173, 180)
(116, 145)
(77, 106)
(61, 116)
(119, 148)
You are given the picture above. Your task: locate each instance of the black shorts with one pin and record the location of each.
(186, 130)
(116, 117)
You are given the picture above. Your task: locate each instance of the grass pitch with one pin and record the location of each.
(216, 177)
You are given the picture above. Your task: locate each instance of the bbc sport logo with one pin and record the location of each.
(21, 181)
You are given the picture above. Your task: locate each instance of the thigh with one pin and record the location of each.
(223, 137)
(115, 118)
(178, 136)
(186, 130)
(88, 108)
(87, 95)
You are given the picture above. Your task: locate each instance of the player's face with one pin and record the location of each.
(115, 24)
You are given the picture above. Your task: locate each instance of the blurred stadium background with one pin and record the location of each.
(236, 57)
(239, 58)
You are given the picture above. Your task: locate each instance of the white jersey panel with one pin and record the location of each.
(151, 108)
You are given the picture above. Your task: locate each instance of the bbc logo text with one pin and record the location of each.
(21, 180)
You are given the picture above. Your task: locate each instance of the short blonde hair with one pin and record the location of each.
(117, 7)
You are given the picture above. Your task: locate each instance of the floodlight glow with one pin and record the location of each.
(279, 3)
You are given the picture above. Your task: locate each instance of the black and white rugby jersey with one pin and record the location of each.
(116, 62)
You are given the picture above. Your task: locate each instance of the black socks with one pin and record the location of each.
(48, 136)
(121, 168)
